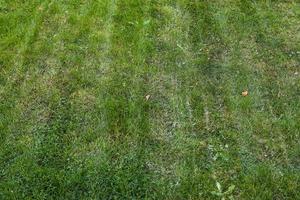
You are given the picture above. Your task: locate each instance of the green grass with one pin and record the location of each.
(75, 122)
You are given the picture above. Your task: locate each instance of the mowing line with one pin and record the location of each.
(206, 115)
(32, 31)
(17, 72)
(176, 122)
(109, 26)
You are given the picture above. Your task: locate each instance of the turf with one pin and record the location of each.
(141, 99)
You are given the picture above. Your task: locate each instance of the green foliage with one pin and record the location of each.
(135, 99)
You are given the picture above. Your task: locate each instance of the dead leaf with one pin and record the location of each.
(147, 97)
(245, 93)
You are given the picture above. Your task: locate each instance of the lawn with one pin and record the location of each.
(142, 99)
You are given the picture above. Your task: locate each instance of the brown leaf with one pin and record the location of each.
(245, 93)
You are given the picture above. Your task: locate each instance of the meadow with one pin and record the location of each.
(142, 99)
